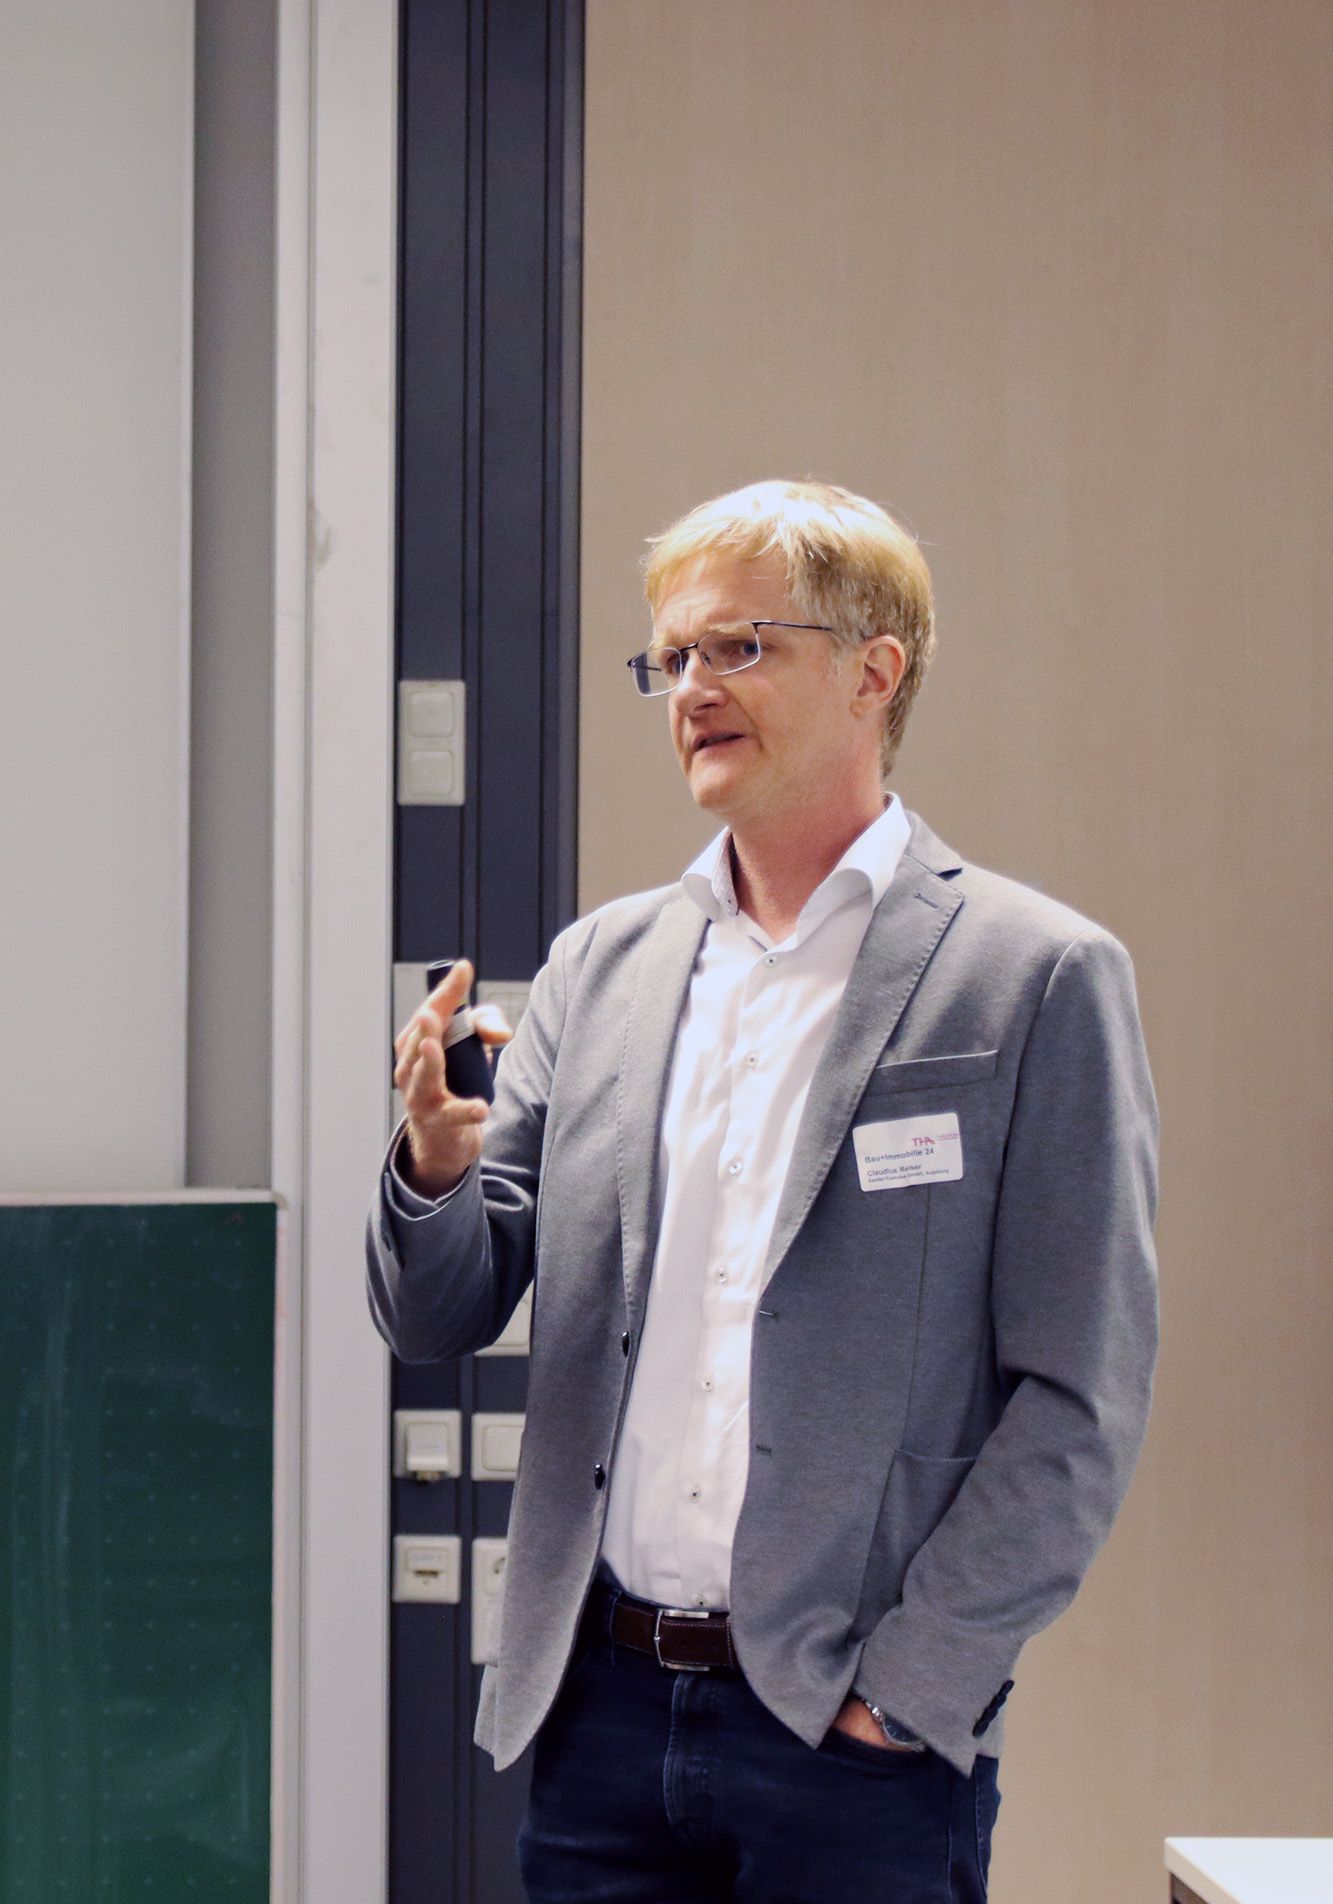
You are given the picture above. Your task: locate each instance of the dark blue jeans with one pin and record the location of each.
(653, 1784)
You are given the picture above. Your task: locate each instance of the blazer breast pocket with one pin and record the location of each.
(920, 1074)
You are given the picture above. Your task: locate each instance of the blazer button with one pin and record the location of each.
(992, 1707)
(624, 1343)
(599, 1476)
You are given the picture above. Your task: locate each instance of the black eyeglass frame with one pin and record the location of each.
(640, 664)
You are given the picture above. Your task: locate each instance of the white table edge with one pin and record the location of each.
(1181, 1857)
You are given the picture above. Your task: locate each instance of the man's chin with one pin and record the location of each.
(714, 790)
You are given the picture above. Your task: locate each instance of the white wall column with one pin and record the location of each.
(334, 540)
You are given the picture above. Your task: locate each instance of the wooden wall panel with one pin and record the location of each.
(1056, 282)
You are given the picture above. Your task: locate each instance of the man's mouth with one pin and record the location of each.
(715, 740)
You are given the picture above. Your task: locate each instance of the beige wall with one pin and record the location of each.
(96, 137)
(1056, 281)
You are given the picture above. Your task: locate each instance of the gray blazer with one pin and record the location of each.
(950, 1381)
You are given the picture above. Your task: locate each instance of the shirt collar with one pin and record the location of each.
(868, 865)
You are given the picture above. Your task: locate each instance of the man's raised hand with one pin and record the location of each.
(444, 1132)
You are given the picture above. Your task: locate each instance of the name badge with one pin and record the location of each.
(909, 1150)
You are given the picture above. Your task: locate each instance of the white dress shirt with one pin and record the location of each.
(755, 1023)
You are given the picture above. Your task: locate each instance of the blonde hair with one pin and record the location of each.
(849, 566)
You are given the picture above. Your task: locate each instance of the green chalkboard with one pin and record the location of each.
(136, 1499)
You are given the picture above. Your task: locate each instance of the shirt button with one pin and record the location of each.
(734, 1167)
(770, 959)
(751, 1059)
(694, 1493)
(721, 1275)
(707, 1383)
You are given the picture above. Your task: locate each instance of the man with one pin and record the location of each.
(835, 1166)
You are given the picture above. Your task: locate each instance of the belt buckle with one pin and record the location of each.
(677, 1613)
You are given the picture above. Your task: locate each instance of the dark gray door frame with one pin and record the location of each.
(487, 576)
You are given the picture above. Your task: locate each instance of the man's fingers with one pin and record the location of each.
(407, 1045)
(425, 1089)
(421, 1064)
(444, 1130)
(423, 1023)
(420, 1077)
(452, 989)
(441, 1004)
(491, 1025)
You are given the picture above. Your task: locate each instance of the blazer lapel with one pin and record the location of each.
(663, 965)
(905, 927)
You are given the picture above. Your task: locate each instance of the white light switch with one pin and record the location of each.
(431, 730)
(496, 1440)
(427, 1567)
(431, 777)
(488, 1582)
(428, 1443)
(431, 712)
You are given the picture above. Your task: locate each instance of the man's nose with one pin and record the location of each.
(695, 678)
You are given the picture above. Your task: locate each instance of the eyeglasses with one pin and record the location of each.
(722, 651)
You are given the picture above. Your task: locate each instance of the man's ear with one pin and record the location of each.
(883, 660)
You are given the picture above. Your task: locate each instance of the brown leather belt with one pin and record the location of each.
(680, 1638)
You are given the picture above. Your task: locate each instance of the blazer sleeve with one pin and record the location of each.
(1075, 1315)
(443, 1278)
